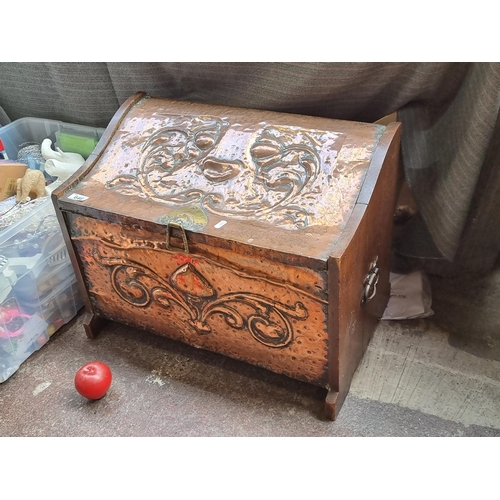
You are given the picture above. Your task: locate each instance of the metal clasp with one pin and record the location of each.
(183, 234)
(370, 282)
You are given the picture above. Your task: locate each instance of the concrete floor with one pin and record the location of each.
(438, 376)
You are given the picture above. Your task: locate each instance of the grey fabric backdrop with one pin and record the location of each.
(449, 112)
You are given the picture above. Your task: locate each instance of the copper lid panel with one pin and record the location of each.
(235, 173)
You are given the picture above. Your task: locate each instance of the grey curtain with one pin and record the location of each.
(449, 112)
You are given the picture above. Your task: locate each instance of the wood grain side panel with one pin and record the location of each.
(367, 239)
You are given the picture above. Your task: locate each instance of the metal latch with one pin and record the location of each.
(370, 282)
(171, 225)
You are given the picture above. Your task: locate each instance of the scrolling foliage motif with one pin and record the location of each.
(267, 321)
(273, 173)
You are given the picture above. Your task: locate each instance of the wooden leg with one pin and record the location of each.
(332, 405)
(93, 324)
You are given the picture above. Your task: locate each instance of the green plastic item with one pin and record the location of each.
(72, 143)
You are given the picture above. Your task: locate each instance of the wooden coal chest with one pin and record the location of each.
(259, 235)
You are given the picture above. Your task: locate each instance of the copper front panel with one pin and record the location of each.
(205, 301)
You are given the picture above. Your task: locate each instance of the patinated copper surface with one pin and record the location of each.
(238, 174)
(196, 298)
(244, 232)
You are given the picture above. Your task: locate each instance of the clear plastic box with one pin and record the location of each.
(20, 336)
(75, 138)
(38, 289)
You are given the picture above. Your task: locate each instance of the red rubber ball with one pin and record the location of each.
(93, 380)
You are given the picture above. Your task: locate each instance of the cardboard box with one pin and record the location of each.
(10, 171)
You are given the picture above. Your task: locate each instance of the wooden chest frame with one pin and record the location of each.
(307, 317)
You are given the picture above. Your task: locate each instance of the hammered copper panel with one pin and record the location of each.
(202, 302)
(252, 172)
(244, 232)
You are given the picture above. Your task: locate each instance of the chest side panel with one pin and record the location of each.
(275, 318)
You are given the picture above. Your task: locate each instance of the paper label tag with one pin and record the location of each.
(10, 187)
(77, 197)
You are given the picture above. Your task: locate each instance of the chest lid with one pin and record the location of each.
(273, 180)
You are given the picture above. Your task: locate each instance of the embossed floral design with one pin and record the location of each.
(276, 174)
(268, 321)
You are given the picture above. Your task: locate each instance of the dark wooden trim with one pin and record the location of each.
(101, 146)
(336, 323)
(390, 141)
(75, 260)
(332, 405)
(194, 237)
(391, 134)
(367, 235)
(91, 323)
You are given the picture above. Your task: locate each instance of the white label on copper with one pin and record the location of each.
(77, 197)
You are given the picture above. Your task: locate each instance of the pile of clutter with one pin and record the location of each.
(37, 290)
(45, 169)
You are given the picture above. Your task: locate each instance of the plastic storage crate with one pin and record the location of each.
(68, 136)
(38, 290)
